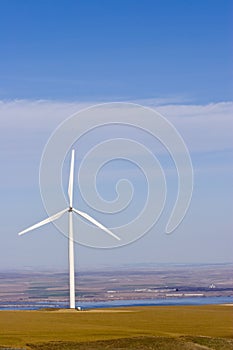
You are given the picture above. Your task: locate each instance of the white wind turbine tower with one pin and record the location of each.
(70, 211)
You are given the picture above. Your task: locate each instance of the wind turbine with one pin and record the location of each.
(70, 211)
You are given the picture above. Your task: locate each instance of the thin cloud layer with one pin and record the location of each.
(205, 128)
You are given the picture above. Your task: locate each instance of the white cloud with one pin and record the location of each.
(206, 128)
(28, 124)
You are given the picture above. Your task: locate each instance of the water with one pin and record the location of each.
(121, 303)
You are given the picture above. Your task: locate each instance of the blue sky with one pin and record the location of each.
(121, 49)
(174, 56)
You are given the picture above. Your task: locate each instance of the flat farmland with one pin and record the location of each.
(149, 282)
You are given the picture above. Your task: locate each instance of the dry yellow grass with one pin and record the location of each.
(17, 328)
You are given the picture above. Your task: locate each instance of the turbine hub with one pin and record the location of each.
(70, 209)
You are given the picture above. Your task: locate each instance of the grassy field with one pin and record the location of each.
(165, 328)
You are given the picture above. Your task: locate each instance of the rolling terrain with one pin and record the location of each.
(165, 328)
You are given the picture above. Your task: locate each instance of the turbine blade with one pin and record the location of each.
(44, 222)
(71, 179)
(96, 223)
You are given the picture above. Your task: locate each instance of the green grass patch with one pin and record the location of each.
(212, 343)
(140, 343)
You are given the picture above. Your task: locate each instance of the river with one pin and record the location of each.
(120, 303)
